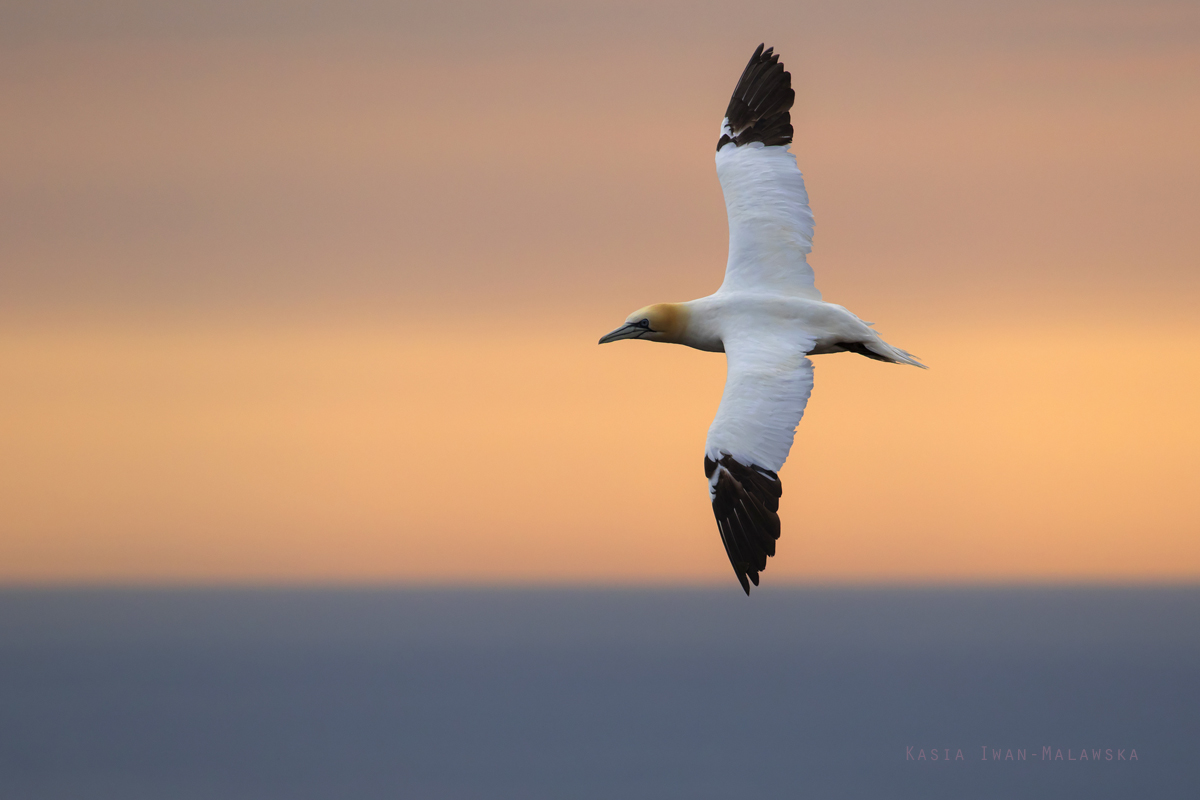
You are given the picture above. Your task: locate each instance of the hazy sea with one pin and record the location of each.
(623, 694)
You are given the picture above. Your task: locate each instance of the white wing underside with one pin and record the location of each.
(770, 223)
(767, 385)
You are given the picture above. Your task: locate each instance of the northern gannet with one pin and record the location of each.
(767, 316)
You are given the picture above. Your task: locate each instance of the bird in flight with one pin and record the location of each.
(767, 317)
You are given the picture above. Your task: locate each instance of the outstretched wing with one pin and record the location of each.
(770, 224)
(767, 386)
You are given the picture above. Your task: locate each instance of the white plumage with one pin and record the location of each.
(767, 384)
(770, 224)
(767, 317)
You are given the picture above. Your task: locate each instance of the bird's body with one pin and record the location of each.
(704, 324)
(767, 317)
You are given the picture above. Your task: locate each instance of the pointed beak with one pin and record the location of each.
(624, 332)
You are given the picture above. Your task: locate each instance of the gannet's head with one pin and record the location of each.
(661, 322)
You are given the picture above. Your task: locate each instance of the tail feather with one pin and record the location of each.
(882, 351)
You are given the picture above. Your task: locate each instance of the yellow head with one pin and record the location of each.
(661, 322)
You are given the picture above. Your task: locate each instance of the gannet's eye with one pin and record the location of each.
(643, 323)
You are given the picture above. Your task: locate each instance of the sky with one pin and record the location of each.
(311, 292)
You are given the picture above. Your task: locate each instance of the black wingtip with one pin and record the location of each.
(745, 502)
(759, 108)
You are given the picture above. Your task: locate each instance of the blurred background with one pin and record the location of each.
(311, 292)
(314, 482)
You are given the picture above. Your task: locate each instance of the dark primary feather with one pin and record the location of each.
(758, 110)
(745, 502)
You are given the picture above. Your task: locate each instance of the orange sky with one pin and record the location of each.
(316, 298)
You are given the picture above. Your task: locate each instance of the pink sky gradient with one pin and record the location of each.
(314, 297)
